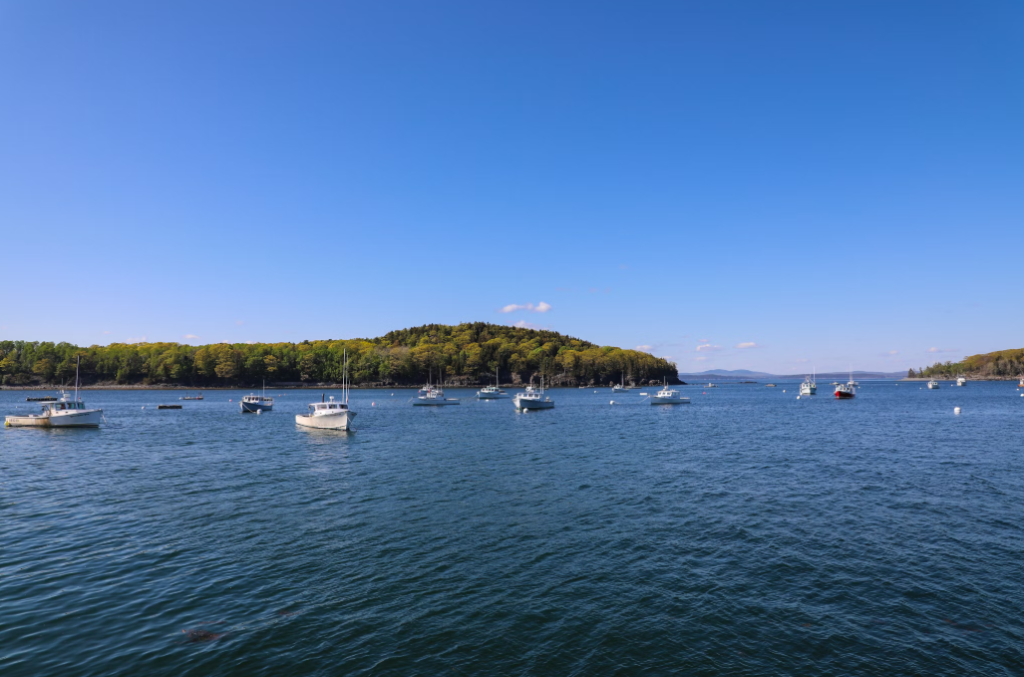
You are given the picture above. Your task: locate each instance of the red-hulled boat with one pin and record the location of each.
(845, 391)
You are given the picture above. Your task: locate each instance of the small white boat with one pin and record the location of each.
(809, 386)
(330, 415)
(533, 398)
(961, 381)
(668, 396)
(715, 385)
(252, 403)
(933, 385)
(492, 392)
(433, 397)
(64, 412)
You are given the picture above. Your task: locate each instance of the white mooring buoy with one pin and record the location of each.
(259, 411)
(612, 402)
(956, 410)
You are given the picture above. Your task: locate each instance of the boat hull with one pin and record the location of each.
(341, 421)
(253, 407)
(840, 395)
(490, 396)
(670, 400)
(534, 404)
(433, 403)
(88, 418)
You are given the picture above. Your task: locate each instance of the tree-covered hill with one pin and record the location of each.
(1002, 364)
(464, 354)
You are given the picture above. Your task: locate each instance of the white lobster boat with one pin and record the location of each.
(809, 386)
(491, 392)
(330, 415)
(668, 396)
(65, 412)
(933, 385)
(961, 381)
(432, 396)
(254, 404)
(533, 398)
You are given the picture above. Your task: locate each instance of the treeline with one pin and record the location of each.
(463, 354)
(998, 365)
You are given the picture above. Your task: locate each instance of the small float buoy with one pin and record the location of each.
(797, 397)
(373, 404)
(612, 402)
(259, 411)
(143, 407)
(956, 410)
(783, 391)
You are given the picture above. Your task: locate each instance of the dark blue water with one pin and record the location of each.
(748, 533)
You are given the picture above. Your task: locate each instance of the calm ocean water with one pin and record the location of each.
(749, 533)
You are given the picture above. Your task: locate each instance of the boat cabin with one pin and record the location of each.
(321, 408)
(257, 399)
(51, 407)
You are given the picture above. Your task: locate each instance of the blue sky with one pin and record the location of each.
(763, 185)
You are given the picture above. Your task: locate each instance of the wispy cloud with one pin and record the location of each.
(706, 347)
(943, 350)
(646, 348)
(700, 359)
(541, 307)
(106, 332)
(523, 324)
(801, 361)
(140, 339)
(189, 336)
(893, 352)
(747, 344)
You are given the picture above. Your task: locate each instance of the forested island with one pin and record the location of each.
(465, 354)
(1002, 364)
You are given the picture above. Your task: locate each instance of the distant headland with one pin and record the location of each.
(461, 355)
(1002, 365)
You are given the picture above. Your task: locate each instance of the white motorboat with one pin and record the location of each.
(809, 386)
(327, 415)
(432, 396)
(64, 412)
(330, 415)
(492, 392)
(533, 398)
(933, 385)
(668, 396)
(961, 381)
(621, 387)
(252, 403)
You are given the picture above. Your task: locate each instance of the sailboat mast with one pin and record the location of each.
(77, 365)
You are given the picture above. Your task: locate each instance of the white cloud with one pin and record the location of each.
(189, 336)
(704, 340)
(707, 346)
(141, 339)
(894, 352)
(106, 332)
(942, 350)
(645, 348)
(700, 359)
(541, 307)
(523, 324)
(747, 344)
